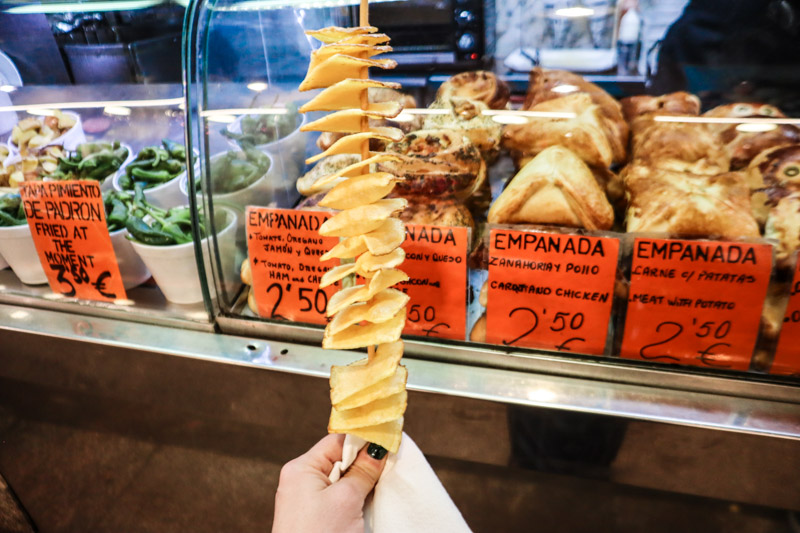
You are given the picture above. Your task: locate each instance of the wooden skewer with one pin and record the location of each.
(364, 21)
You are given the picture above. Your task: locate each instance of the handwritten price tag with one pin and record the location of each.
(696, 302)
(284, 250)
(436, 263)
(787, 355)
(550, 291)
(68, 224)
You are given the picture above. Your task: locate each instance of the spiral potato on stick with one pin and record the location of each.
(368, 397)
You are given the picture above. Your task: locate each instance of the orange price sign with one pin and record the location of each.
(284, 249)
(550, 291)
(436, 263)
(696, 302)
(787, 354)
(68, 224)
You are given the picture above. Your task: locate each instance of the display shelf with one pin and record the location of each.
(716, 410)
(145, 304)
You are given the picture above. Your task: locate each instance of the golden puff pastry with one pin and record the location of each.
(328, 165)
(783, 225)
(688, 205)
(478, 85)
(438, 212)
(555, 187)
(678, 103)
(679, 146)
(436, 163)
(467, 117)
(478, 333)
(546, 85)
(776, 167)
(772, 175)
(742, 145)
(584, 134)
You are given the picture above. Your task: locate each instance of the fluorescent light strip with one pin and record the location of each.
(258, 5)
(84, 7)
(725, 120)
(408, 111)
(531, 114)
(245, 111)
(163, 102)
(574, 12)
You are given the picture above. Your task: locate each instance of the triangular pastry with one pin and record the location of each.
(555, 187)
(584, 133)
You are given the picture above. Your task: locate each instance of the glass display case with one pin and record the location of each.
(587, 223)
(92, 91)
(600, 240)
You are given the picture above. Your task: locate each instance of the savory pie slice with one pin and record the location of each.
(555, 187)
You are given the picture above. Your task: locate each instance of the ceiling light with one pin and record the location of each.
(403, 117)
(20, 315)
(257, 86)
(756, 127)
(117, 110)
(573, 12)
(245, 111)
(258, 5)
(564, 89)
(225, 119)
(40, 111)
(83, 7)
(510, 119)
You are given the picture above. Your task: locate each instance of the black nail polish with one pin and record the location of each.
(376, 451)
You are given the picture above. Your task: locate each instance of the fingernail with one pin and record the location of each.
(376, 451)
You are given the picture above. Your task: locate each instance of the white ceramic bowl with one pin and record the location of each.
(69, 140)
(108, 182)
(3, 263)
(16, 247)
(260, 192)
(288, 153)
(133, 271)
(166, 195)
(175, 269)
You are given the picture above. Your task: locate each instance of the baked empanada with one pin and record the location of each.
(478, 85)
(546, 85)
(555, 187)
(783, 225)
(436, 163)
(742, 145)
(584, 134)
(467, 117)
(688, 205)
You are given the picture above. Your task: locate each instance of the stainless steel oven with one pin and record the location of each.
(435, 32)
